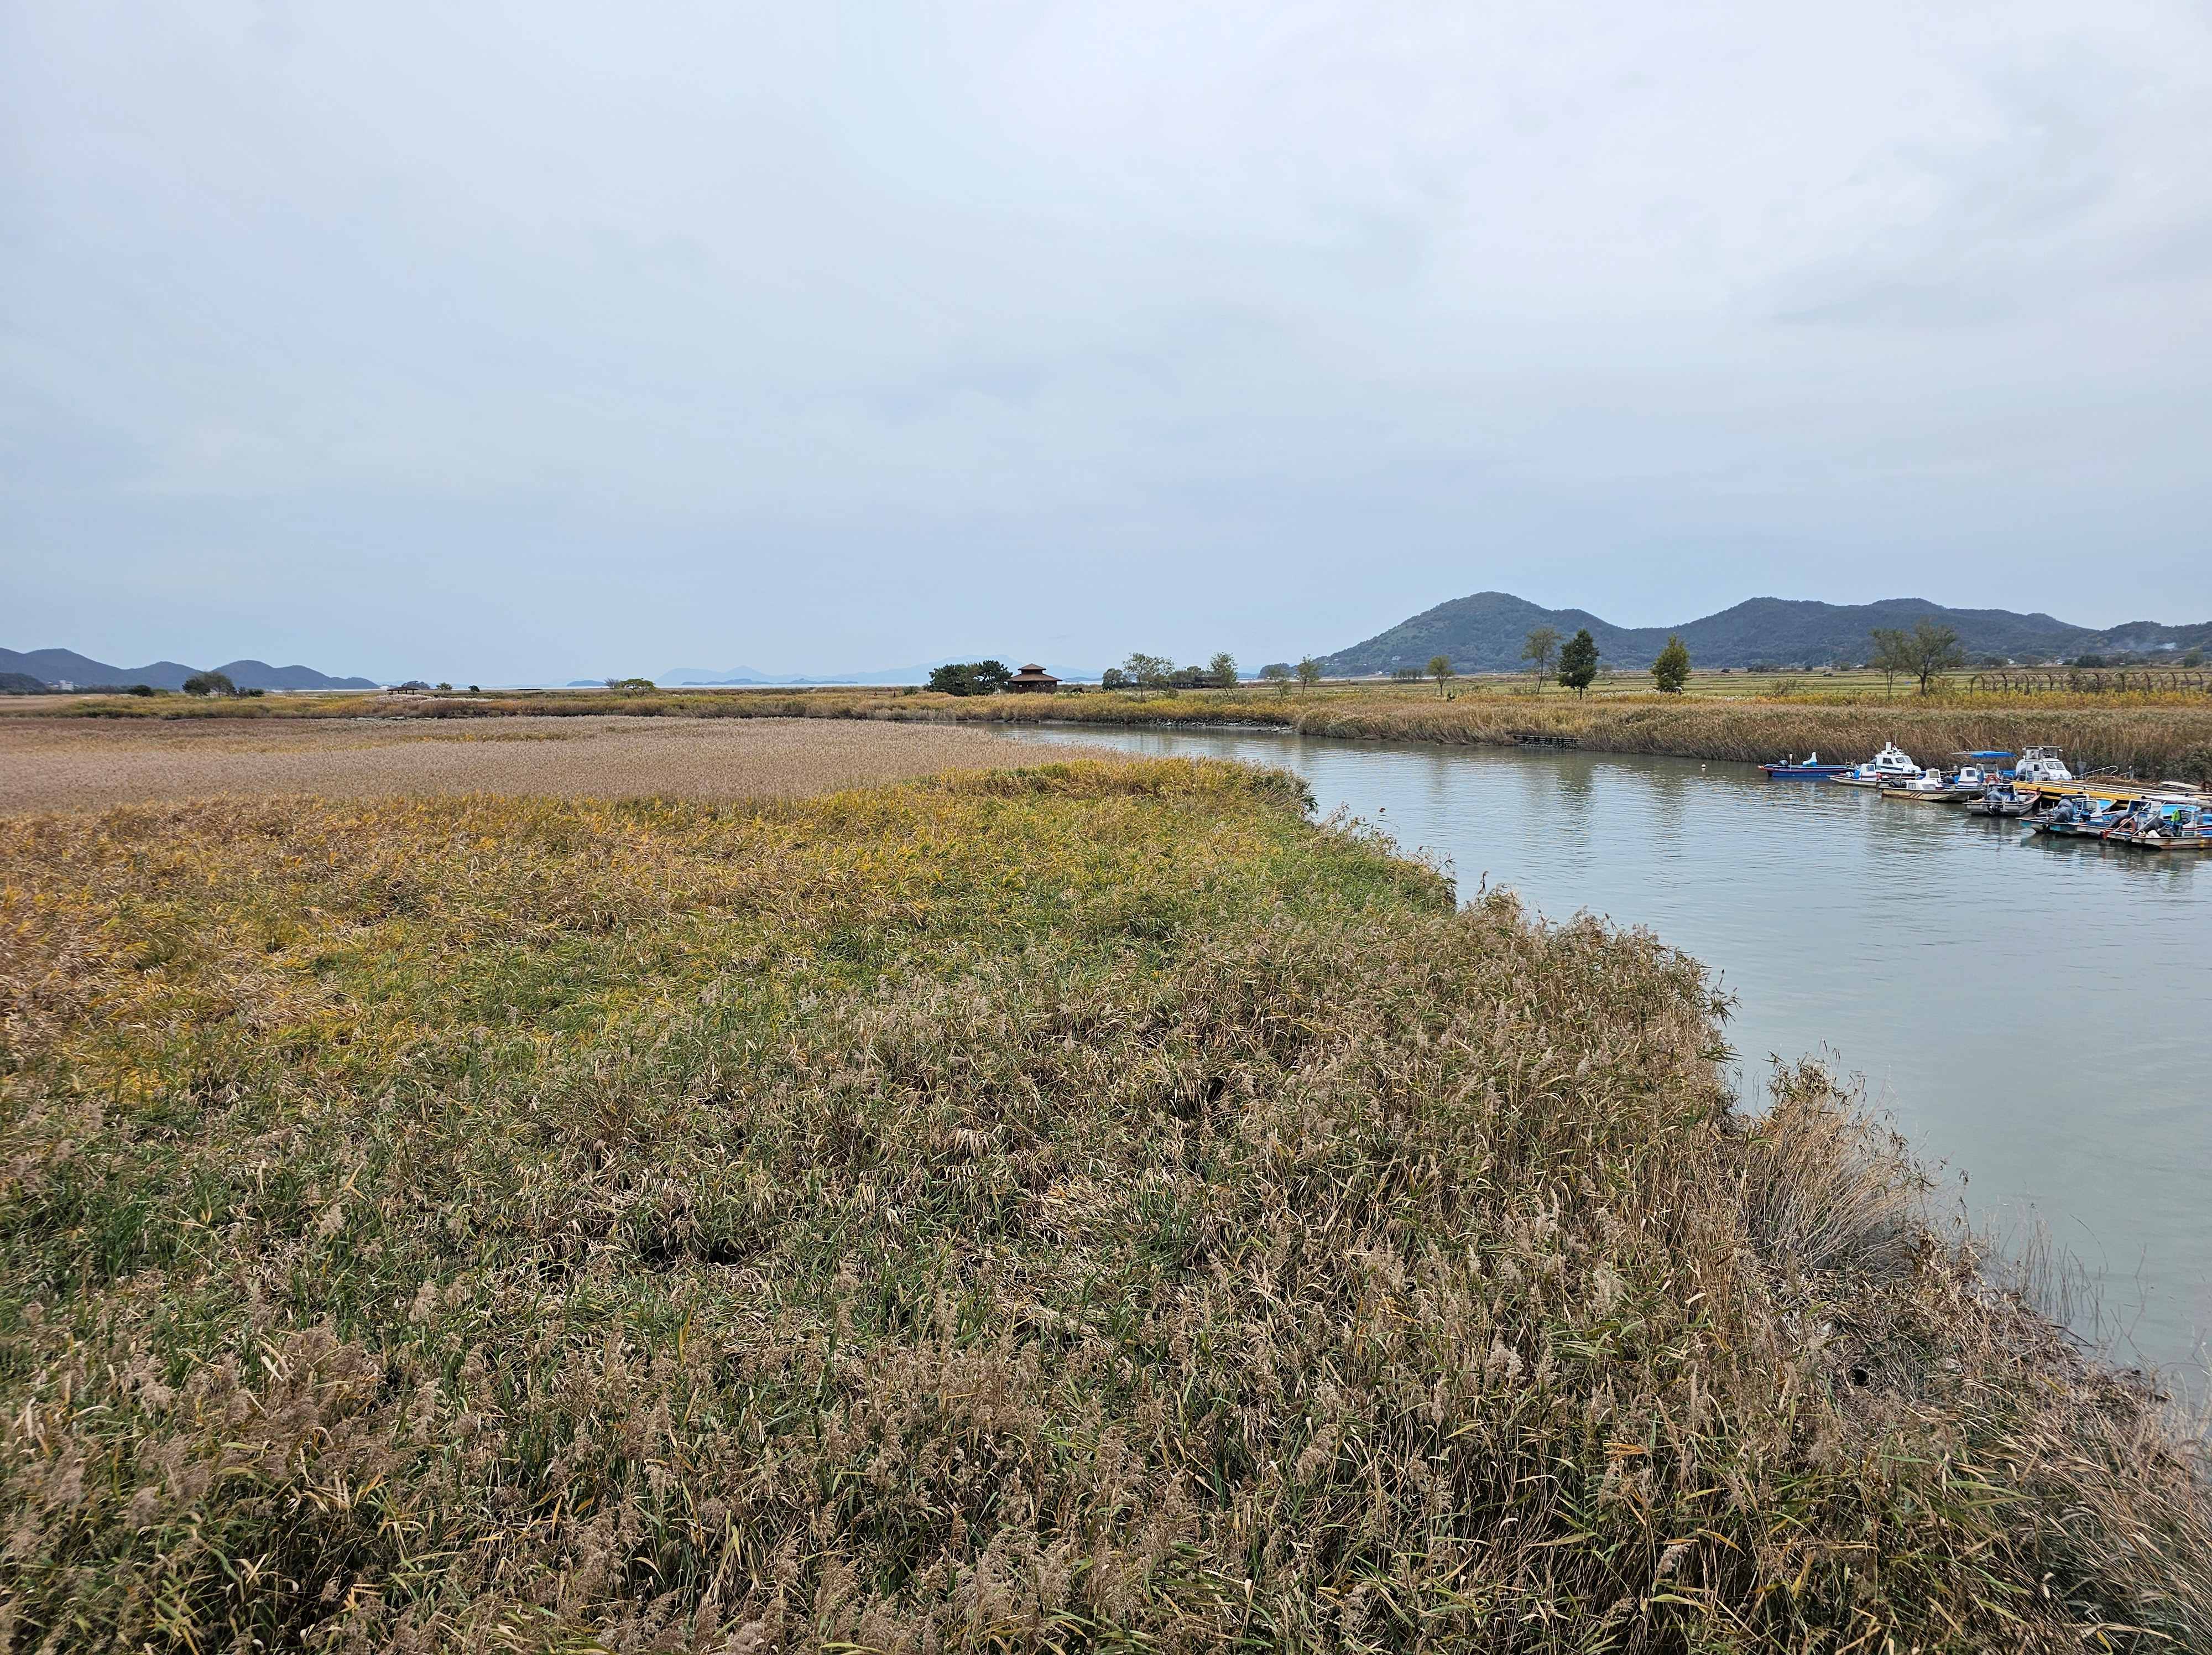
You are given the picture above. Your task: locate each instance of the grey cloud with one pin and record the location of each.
(1986, 228)
(1927, 304)
(416, 338)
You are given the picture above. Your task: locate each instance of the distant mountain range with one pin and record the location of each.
(721, 675)
(55, 667)
(1484, 633)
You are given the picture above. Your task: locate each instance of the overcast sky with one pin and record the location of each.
(551, 339)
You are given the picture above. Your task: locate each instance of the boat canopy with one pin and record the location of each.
(1985, 755)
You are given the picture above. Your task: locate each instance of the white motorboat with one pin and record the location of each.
(2040, 764)
(1887, 769)
(1977, 773)
(1930, 787)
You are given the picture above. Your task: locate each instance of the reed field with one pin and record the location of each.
(1087, 1207)
(1736, 718)
(72, 764)
(2152, 741)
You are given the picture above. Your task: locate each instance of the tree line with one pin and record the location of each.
(1924, 654)
(1145, 673)
(1578, 658)
(1140, 672)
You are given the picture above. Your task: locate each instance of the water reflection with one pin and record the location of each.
(2031, 1011)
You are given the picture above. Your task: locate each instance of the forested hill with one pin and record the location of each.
(67, 666)
(1484, 633)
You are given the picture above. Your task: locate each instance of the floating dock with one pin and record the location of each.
(2117, 789)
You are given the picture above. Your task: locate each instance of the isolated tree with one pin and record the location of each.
(1277, 673)
(1888, 657)
(1671, 670)
(1542, 646)
(1309, 672)
(1935, 651)
(209, 683)
(1440, 669)
(1578, 662)
(1113, 679)
(1924, 654)
(1221, 671)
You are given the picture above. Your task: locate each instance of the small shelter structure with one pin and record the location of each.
(1032, 680)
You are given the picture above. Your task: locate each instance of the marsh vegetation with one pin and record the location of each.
(1088, 1206)
(2154, 733)
(76, 764)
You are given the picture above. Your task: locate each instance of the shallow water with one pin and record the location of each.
(2032, 1013)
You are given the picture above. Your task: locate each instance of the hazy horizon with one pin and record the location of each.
(543, 344)
(675, 672)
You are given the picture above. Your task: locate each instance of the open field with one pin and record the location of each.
(1089, 1207)
(74, 764)
(2153, 736)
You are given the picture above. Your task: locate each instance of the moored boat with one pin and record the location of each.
(1892, 765)
(1981, 770)
(1809, 770)
(2168, 823)
(1974, 773)
(2003, 800)
(2078, 817)
(1930, 787)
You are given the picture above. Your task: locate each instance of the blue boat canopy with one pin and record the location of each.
(1985, 754)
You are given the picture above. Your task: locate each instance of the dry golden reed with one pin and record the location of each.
(1081, 1208)
(78, 764)
(2151, 736)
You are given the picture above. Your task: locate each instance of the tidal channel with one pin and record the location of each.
(2034, 1015)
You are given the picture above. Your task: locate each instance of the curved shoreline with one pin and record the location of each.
(2153, 741)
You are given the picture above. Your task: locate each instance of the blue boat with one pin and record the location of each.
(1995, 764)
(2164, 822)
(1811, 770)
(2078, 817)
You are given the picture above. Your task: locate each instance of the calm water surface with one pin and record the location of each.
(2035, 1015)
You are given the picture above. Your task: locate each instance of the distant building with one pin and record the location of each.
(1032, 680)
